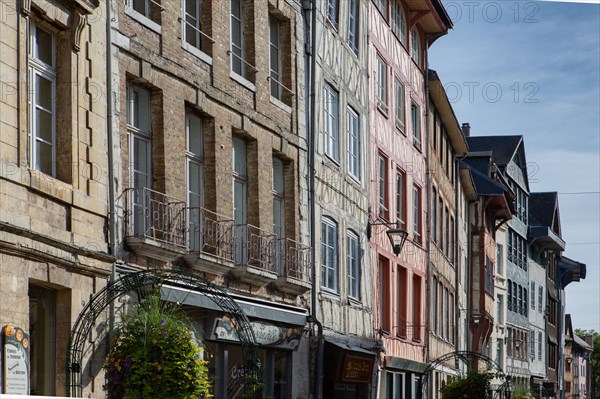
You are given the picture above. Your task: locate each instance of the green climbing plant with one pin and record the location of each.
(154, 355)
(472, 386)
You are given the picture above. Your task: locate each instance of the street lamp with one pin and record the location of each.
(396, 235)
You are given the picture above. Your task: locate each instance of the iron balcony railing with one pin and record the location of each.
(293, 259)
(156, 216)
(254, 247)
(211, 233)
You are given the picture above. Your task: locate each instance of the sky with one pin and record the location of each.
(532, 68)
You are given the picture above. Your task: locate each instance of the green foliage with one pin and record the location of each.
(154, 356)
(594, 361)
(473, 386)
(521, 392)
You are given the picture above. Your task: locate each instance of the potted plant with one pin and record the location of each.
(154, 355)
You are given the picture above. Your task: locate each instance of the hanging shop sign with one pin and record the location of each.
(266, 334)
(15, 373)
(357, 369)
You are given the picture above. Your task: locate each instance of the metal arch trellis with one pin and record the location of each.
(467, 357)
(142, 283)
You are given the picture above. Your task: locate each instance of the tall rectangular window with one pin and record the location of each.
(333, 7)
(402, 311)
(195, 176)
(401, 199)
(353, 248)
(400, 105)
(509, 305)
(148, 10)
(489, 276)
(275, 58)
(417, 214)
(42, 336)
(353, 23)
(417, 307)
(539, 356)
(331, 127)
(533, 293)
(383, 188)
(434, 300)
(382, 6)
(240, 196)
(415, 46)
(394, 385)
(385, 295)
(329, 254)
(452, 243)
(451, 317)
(278, 198)
(240, 38)
(197, 26)
(415, 114)
(42, 97)
(381, 84)
(540, 298)
(500, 259)
(399, 21)
(353, 130)
(500, 309)
(434, 215)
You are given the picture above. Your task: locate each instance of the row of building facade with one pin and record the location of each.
(275, 148)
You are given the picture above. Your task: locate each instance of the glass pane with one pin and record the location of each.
(281, 375)
(43, 46)
(44, 158)
(239, 202)
(140, 156)
(44, 126)
(190, 34)
(194, 131)
(195, 180)
(140, 6)
(278, 176)
(191, 7)
(278, 217)
(44, 93)
(141, 109)
(239, 156)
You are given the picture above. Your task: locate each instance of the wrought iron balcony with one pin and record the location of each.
(210, 241)
(292, 260)
(155, 224)
(254, 254)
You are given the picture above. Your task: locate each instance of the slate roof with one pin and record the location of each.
(503, 147)
(484, 185)
(541, 208)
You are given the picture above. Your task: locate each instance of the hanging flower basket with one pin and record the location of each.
(154, 355)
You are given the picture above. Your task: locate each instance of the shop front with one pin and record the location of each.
(402, 378)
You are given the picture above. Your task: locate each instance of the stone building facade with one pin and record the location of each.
(53, 180)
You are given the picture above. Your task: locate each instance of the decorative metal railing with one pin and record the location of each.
(156, 216)
(293, 259)
(210, 233)
(254, 247)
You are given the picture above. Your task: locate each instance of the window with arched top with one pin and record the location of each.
(399, 21)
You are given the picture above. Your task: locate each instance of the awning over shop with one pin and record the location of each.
(405, 364)
(352, 345)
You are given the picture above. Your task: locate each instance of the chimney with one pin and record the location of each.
(466, 129)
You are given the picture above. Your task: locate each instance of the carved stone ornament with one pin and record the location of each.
(26, 7)
(79, 22)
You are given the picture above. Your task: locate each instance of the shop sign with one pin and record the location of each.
(265, 333)
(16, 361)
(357, 369)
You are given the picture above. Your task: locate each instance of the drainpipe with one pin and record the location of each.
(455, 252)
(426, 348)
(312, 53)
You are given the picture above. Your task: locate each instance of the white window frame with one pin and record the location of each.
(331, 122)
(234, 45)
(415, 46)
(40, 69)
(417, 225)
(399, 26)
(240, 187)
(144, 18)
(353, 259)
(382, 192)
(381, 84)
(197, 26)
(353, 25)
(540, 298)
(400, 198)
(275, 68)
(400, 116)
(415, 115)
(395, 378)
(353, 142)
(329, 255)
(195, 200)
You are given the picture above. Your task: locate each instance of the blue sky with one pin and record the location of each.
(533, 68)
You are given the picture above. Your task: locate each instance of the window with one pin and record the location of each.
(353, 266)
(446, 238)
(381, 84)
(394, 385)
(400, 199)
(499, 309)
(43, 75)
(196, 26)
(417, 307)
(532, 344)
(242, 31)
(353, 131)
(399, 21)
(434, 215)
(520, 300)
(382, 6)
(445, 314)
(402, 302)
(500, 259)
(353, 22)
(451, 317)
(515, 306)
(146, 12)
(509, 296)
(329, 254)
(275, 58)
(385, 295)
(383, 188)
(333, 7)
(489, 276)
(415, 114)
(240, 196)
(417, 214)
(452, 243)
(539, 356)
(540, 298)
(42, 336)
(195, 176)
(415, 46)
(400, 105)
(525, 299)
(434, 300)
(278, 202)
(330, 111)
(140, 151)
(533, 295)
